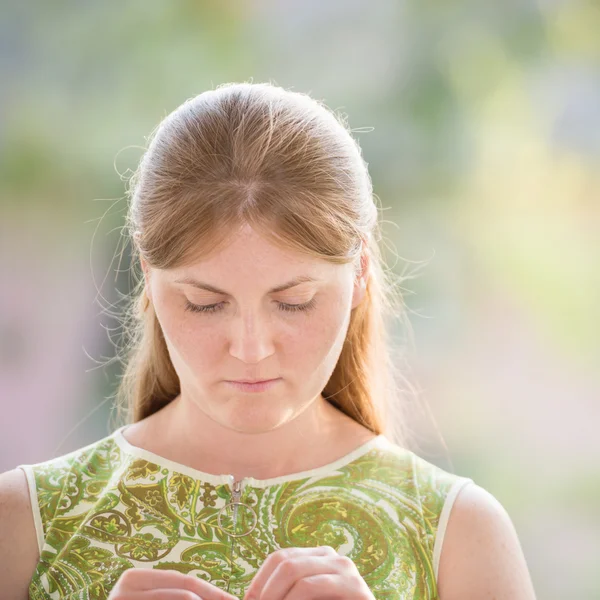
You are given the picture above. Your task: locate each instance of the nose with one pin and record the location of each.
(251, 338)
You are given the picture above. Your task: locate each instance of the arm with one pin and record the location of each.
(481, 555)
(18, 541)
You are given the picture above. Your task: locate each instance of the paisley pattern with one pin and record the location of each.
(111, 506)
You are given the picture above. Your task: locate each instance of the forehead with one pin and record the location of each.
(247, 248)
(247, 258)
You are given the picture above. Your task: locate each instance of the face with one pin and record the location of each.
(242, 329)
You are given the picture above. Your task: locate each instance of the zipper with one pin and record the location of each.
(236, 494)
(237, 487)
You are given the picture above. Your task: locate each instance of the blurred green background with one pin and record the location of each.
(481, 126)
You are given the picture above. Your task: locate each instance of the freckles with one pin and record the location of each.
(195, 343)
(314, 340)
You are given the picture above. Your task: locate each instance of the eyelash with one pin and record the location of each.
(213, 308)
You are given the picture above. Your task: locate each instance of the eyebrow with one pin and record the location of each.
(279, 288)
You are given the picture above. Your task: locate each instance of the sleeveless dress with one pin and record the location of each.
(111, 506)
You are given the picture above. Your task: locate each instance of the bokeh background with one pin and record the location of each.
(480, 122)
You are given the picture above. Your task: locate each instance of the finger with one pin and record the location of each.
(162, 594)
(291, 571)
(273, 561)
(324, 586)
(147, 579)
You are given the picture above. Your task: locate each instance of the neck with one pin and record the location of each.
(317, 436)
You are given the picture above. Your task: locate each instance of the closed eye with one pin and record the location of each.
(213, 308)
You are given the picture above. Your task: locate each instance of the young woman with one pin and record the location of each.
(256, 459)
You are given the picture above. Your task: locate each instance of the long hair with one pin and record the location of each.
(284, 163)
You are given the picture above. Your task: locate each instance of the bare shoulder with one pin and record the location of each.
(481, 554)
(19, 553)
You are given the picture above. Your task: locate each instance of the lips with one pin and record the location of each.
(251, 380)
(256, 386)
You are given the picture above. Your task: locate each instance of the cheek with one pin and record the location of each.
(319, 341)
(190, 341)
(198, 344)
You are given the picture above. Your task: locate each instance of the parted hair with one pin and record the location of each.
(288, 166)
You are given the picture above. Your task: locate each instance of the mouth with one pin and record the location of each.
(250, 380)
(254, 386)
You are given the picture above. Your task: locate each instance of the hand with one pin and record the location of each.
(308, 574)
(156, 584)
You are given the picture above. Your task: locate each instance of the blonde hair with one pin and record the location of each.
(282, 162)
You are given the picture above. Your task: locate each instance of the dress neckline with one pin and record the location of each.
(327, 469)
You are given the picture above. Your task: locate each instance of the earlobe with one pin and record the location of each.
(146, 273)
(143, 265)
(360, 285)
(364, 265)
(359, 292)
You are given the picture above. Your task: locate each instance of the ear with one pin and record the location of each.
(360, 283)
(146, 271)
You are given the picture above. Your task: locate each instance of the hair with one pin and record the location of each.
(285, 164)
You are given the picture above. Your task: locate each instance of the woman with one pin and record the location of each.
(255, 461)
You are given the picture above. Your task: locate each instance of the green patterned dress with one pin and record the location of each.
(111, 506)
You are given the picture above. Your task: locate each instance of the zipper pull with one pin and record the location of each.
(236, 494)
(236, 489)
